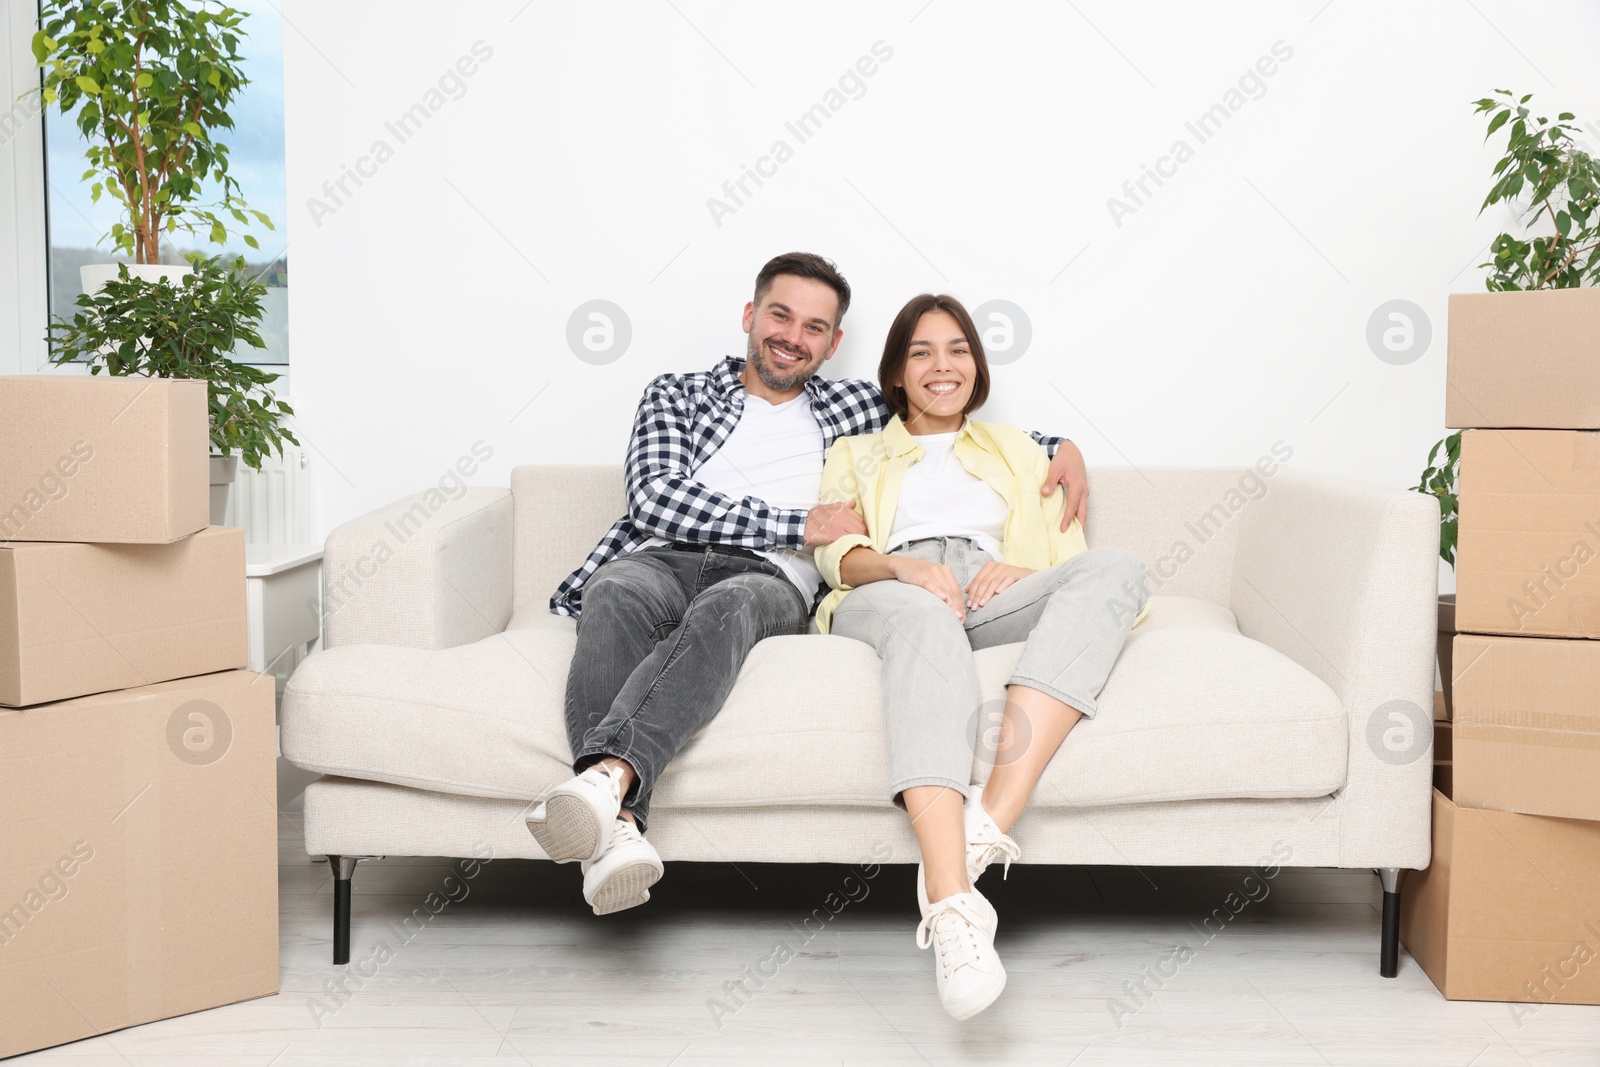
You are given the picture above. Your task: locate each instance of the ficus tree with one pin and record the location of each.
(1554, 185)
(151, 82)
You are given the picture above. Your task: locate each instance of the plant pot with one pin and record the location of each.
(95, 275)
(224, 469)
(1447, 637)
(1524, 359)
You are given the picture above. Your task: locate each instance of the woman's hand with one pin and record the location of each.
(990, 580)
(936, 578)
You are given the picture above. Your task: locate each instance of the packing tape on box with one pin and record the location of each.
(1466, 733)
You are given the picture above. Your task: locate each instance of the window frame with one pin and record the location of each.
(25, 243)
(34, 260)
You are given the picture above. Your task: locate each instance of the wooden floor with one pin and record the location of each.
(519, 971)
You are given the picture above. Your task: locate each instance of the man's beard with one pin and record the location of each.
(771, 376)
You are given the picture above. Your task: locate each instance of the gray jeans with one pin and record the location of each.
(1074, 618)
(661, 638)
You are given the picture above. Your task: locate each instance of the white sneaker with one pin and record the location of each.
(624, 872)
(985, 845)
(966, 968)
(573, 822)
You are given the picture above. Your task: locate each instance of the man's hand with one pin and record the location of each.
(1067, 470)
(826, 523)
(991, 579)
(936, 578)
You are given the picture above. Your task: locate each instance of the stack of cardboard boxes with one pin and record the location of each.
(1510, 908)
(138, 859)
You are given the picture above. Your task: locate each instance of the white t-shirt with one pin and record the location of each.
(774, 454)
(939, 498)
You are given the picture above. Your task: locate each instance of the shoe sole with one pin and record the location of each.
(627, 888)
(569, 831)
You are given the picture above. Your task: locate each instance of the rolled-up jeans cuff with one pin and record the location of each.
(1081, 703)
(911, 783)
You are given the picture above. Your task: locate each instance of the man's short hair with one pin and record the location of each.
(805, 265)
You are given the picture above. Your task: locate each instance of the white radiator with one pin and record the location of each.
(274, 504)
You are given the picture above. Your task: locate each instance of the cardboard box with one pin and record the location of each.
(1441, 712)
(77, 619)
(1444, 778)
(1527, 725)
(139, 863)
(1528, 554)
(1524, 359)
(1508, 910)
(121, 460)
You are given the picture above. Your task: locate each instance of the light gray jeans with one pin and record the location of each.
(1074, 618)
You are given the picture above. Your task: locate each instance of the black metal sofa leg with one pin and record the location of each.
(1389, 951)
(343, 868)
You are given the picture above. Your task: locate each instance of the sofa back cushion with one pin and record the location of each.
(559, 512)
(1182, 521)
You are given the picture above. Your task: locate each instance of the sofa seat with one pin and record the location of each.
(1193, 710)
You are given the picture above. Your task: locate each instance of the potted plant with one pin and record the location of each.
(1538, 309)
(148, 83)
(185, 328)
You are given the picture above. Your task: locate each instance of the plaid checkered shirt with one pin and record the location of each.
(682, 420)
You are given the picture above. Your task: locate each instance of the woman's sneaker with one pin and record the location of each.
(573, 822)
(985, 843)
(621, 876)
(968, 972)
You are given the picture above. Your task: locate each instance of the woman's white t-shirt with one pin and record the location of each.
(939, 498)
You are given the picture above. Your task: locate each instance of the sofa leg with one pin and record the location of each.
(343, 868)
(1389, 950)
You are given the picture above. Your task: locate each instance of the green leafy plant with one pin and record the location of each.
(1547, 179)
(185, 328)
(1439, 479)
(154, 79)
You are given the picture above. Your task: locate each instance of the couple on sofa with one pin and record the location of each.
(748, 487)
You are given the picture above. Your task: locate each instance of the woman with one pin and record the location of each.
(962, 552)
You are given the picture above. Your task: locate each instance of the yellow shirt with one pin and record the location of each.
(869, 469)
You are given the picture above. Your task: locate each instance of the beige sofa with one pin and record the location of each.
(1275, 707)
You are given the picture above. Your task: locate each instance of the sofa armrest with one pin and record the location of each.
(1342, 576)
(426, 571)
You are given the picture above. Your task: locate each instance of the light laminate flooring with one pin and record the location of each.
(517, 970)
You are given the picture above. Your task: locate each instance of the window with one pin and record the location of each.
(255, 161)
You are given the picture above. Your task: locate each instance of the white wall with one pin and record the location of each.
(1230, 310)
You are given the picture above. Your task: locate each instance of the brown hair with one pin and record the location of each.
(805, 265)
(897, 348)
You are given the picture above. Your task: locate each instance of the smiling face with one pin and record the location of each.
(939, 374)
(793, 329)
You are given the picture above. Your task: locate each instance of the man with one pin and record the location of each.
(714, 555)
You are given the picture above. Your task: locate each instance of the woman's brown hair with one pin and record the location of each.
(897, 349)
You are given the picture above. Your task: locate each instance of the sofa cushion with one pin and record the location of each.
(1192, 710)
